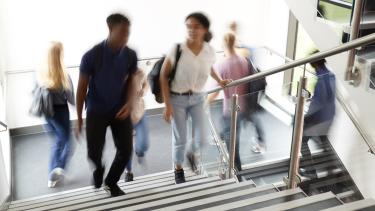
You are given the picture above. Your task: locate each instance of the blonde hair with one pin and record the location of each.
(53, 75)
(229, 41)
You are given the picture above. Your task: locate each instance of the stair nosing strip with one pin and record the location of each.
(300, 202)
(171, 194)
(364, 203)
(194, 195)
(133, 194)
(74, 190)
(227, 206)
(92, 190)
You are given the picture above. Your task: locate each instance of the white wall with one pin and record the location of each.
(4, 136)
(156, 25)
(346, 140)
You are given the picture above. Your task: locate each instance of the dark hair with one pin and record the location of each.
(117, 18)
(202, 19)
(319, 62)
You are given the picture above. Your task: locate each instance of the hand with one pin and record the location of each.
(78, 131)
(141, 93)
(168, 113)
(124, 112)
(225, 82)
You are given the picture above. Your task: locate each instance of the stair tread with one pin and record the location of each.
(260, 200)
(301, 203)
(81, 192)
(210, 193)
(361, 204)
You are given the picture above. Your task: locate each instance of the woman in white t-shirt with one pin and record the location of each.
(185, 95)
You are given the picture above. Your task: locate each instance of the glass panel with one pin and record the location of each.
(334, 12)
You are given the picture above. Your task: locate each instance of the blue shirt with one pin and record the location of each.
(322, 107)
(107, 87)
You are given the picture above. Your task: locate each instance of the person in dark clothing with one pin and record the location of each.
(56, 79)
(107, 71)
(320, 114)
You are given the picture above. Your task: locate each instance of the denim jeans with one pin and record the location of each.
(141, 140)
(184, 105)
(59, 125)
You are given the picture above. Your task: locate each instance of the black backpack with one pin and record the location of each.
(254, 87)
(154, 76)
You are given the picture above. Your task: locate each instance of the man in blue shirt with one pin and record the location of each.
(104, 82)
(319, 117)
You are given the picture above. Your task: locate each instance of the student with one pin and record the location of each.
(185, 95)
(56, 79)
(233, 67)
(320, 114)
(139, 121)
(107, 71)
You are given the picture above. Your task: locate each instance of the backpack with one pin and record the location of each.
(42, 102)
(154, 76)
(255, 87)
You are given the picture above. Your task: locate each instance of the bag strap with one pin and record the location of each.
(178, 55)
(98, 57)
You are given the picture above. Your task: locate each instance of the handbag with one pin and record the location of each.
(42, 102)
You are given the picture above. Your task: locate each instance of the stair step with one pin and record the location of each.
(136, 180)
(260, 201)
(365, 204)
(316, 202)
(234, 190)
(175, 191)
(160, 179)
(134, 196)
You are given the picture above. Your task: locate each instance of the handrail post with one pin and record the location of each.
(297, 135)
(354, 30)
(233, 134)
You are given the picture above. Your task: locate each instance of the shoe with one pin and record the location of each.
(308, 173)
(128, 177)
(55, 176)
(192, 162)
(257, 148)
(98, 177)
(179, 176)
(114, 190)
(140, 157)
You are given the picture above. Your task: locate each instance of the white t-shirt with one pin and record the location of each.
(192, 70)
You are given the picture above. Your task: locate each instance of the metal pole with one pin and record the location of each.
(354, 30)
(233, 133)
(297, 135)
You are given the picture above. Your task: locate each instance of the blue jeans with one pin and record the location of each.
(141, 140)
(184, 105)
(59, 125)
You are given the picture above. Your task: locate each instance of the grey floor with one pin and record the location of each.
(31, 154)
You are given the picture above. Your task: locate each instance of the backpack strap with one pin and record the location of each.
(98, 57)
(174, 69)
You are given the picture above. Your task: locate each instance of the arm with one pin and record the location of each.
(165, 89)
(218, 79)
(83, 82)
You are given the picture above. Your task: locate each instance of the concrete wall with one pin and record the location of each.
(345, 138)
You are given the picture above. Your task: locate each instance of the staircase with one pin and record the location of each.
(331, 174)
(159, 192)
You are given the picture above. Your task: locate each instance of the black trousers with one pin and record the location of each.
(96, 127)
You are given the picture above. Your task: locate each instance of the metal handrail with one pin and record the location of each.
(315, 57)
(3, 125)
(346, 108)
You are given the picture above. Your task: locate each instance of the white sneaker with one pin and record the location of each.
(55, 176)
(258, 148)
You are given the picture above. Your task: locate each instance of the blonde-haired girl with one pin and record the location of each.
(55, 78)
